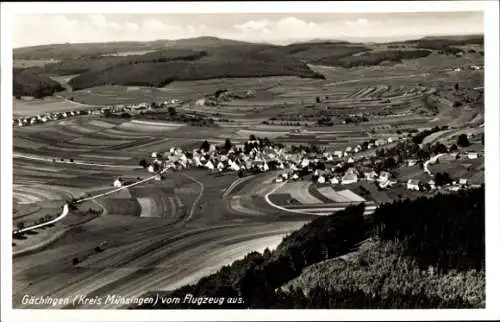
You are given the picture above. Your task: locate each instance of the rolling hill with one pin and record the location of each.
(157, 63)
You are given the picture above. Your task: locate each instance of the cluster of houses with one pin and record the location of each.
(470, 67)
(334, 168)
(46, 117)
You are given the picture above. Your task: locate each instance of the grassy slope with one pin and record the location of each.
(209, 57)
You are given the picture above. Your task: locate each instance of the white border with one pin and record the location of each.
(490, 9)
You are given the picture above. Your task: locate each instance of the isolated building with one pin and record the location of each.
(117, 183)
(413, 184)
(472, 155)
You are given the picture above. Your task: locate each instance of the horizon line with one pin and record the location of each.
(275, 42)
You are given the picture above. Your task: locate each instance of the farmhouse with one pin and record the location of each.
(384, 177)
(413, 185)
(472, 155)
(462, 181)
(349, 178)
(371, 176)
(432, 184)
(117, 183)
(411, 162)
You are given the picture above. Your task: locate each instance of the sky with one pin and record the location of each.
(282, 28)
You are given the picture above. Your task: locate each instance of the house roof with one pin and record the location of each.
(413, 181)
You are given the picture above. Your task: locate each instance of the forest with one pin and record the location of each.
(408, 254)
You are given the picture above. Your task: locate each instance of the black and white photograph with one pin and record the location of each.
(223, 160)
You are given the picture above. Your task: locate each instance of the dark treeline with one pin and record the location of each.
(28, 84)
(446, 232)
(419, 137)
(377, 57)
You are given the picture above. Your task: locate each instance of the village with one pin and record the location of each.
(340, 168)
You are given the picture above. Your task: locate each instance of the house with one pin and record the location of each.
(279, 180)
(338, 154)
(371, 176)
(321, 179)
(349, 178)
(413, 185)
(379, 142)
(334, 180)
(462, 181)
(384, 176)
(154, 155)
(356, 150)
(200, 102)
(432, 184)
(351, 160)
(390, 140)
(151, 169)
(295, 176)
(472, 155)
(348, 149)
(210, 165)
(412, 162)
(117, 183)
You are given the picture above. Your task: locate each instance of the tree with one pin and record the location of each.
(172, 111)
(456, 86)
(453, 148)
(227, 144)
(205, 146)
(252, 137)
(75, 261)
(143, 163)
(318, 100)
(20, 225)
(463, 141)
(442, 178)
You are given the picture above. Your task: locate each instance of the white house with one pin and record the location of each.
(295, 176)
(432, 184)
(351, 160)
(384, 176)
(334, 180)
(151, 169)
(413, 185)
(462, 181)
(279, 180)
(349, 178)
(338, 154)
(412, 162)
(154, 155)
(210, 165)
(200, 102)
(390, 140)
(321, 179)
(472, 155)
(371, 176)
(348, 149)
(117, 183)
